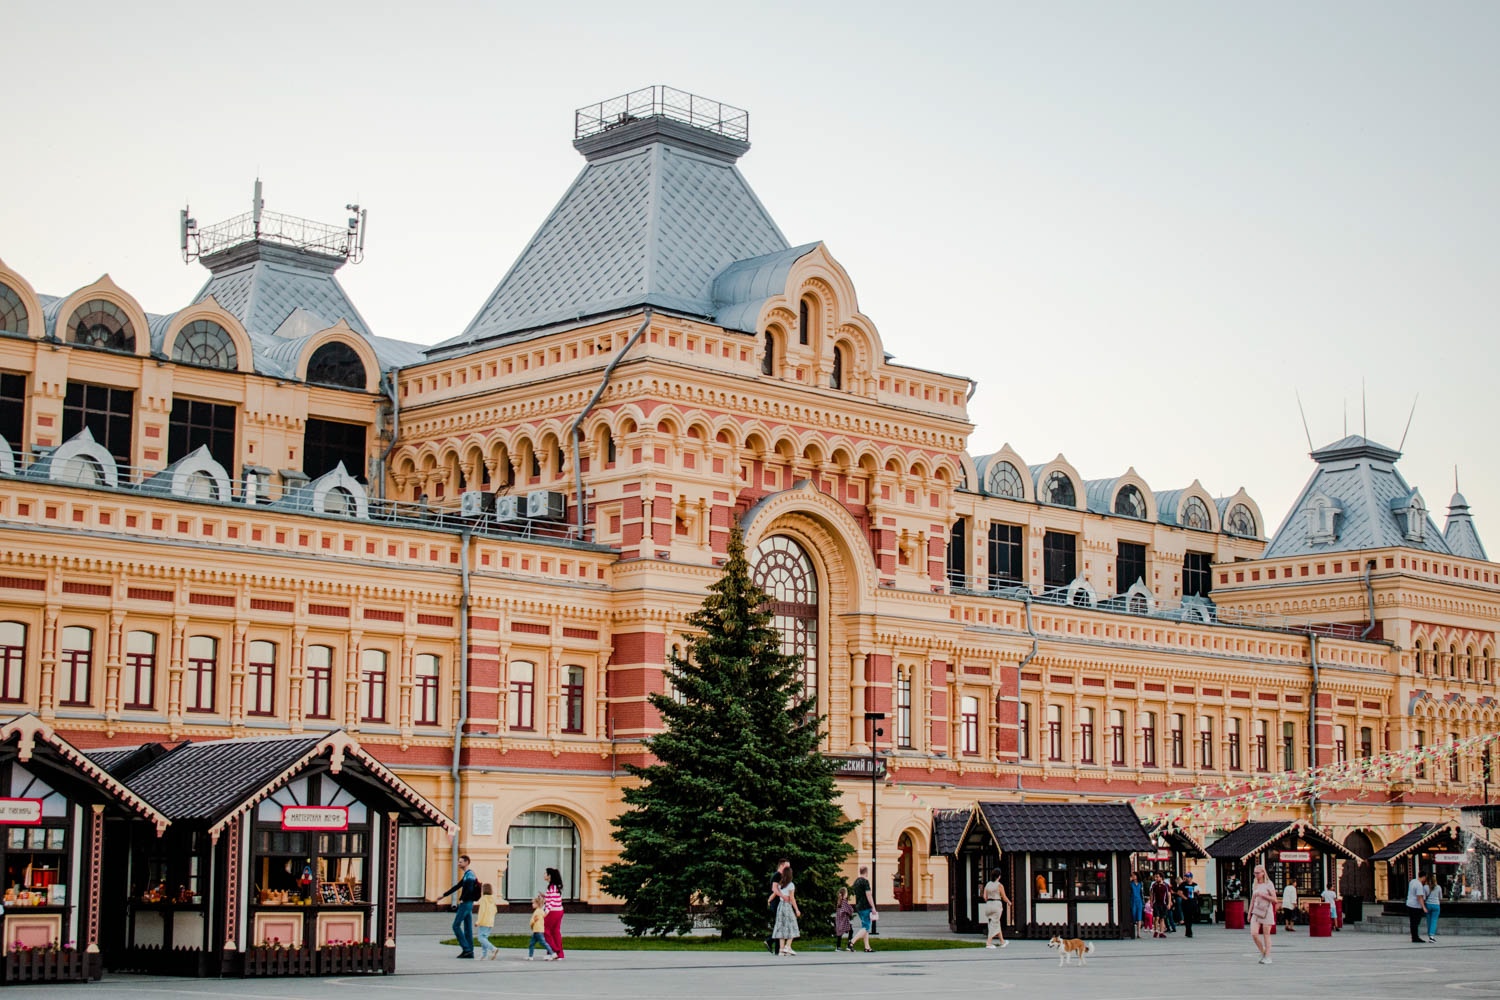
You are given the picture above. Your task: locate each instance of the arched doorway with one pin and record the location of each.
(781, 568)
(901, 882)
(1358, 879)
(538, 841)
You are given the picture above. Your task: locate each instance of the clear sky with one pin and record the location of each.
(1140, 226)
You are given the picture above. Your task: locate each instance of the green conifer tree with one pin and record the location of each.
(738, 781)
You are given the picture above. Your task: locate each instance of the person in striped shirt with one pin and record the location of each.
(553, 908)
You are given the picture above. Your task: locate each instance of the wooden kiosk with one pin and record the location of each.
(280, 858)
(54, 804)
(1065, 866)
(1292, 851)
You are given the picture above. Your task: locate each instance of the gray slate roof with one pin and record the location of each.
(1250, 837)
(649, 221)
(947, 830)
(1409, 841)
(1459, 532)
(203, 781)
(1361, 478)
(1065, 826)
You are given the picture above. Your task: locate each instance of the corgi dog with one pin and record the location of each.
(1067, 948)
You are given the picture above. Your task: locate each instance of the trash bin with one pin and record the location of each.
(1354, 908)
(1205, 907)
(1319, 920)
(1234, 914)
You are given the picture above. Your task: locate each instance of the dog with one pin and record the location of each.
(1067, 948)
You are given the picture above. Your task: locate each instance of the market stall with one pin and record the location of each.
(1292, 850)
(1065, 866)
(1462, 863)
(281, 858)
(54, 803)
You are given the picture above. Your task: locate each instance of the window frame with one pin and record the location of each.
(374, 680)
(520, 711)
(968, 716)
(317, 683)
(260, 679)
(572, 699)
(424, 689)
(73, 663)
(201, 673)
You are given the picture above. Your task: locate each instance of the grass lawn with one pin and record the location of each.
(506, 942)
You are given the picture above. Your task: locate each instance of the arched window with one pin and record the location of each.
(1002, 479)
(339, 501)
(1240, 521)
(768, 358)
(337, 364)
(1416, 656)
(572, 700)
(1058, 489)
(98, 323)
(13, 318)
(521, 712)
(803, 321)
(200, 679)
(260, 678)
(138, 676)
(783, 570)
(75, 666)
(836, 380)
(968, 725)
(538, 841)
(12, 661)
(1130, 503)
(317, 687)
(373, 674)
(1194, 514)
(204, 342)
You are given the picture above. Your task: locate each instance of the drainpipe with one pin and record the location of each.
(463, 684)
(1369, 599)
(388, 383)
(1312, 720)
(1021, 665)
(609, 371)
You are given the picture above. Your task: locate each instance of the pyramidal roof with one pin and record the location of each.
(658, 212)
(1459, 531)
(1356, 499)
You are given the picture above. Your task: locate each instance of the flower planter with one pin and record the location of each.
(353, 959)
(43, 965)
(278, 962)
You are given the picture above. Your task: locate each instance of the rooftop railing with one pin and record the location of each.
(662, 102)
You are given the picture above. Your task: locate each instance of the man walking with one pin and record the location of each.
(469, 890)
(860, 891)
(772, 944)
(1416, 907)
(1187, 889)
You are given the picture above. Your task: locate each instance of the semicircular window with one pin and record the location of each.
(1240, 521)
(13, 318)
(1058, 489)
(1194, 514)
(783, 570)
(1003, 480)
(336, 363)
(98, 323)
(206, 343)
(1130, 503)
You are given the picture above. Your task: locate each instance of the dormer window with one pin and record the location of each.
(1195, 515)
(1321, 513)
(102, 324)
(1240, 521)
(1414, 519)
(1130, 503)
(1058, 489)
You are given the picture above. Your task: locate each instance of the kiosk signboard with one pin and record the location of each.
(315, 817)
(20, 812)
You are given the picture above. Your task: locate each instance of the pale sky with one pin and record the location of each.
(1140, 226)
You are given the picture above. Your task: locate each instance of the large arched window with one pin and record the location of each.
(1194, 514)
(1002, 479)
(1130, 503)
(204, 342)
(336, 363)
(783, 570)
(98, 323)
(768, 359)
(13, 318)
(538, 841)
(836, 379)
(1058, 489)
(1240, 521)
(803, 321)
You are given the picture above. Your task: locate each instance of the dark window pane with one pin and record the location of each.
(196, 422)
(1130, 565)
(13, 411)
(107, 412)
(1005, 555)
(336, 363)
(1197, 580)
(1059, 559)
(326, 443)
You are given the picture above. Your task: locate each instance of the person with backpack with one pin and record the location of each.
(469, 892)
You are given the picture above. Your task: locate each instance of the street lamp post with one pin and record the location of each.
(875, 733)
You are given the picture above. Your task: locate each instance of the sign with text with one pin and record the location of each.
(1450, 859)
(20, 812)
(1162, 854)
(1294, 856)
(315, 817)
(857, 767)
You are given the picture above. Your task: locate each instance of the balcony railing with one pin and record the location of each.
(662, 102)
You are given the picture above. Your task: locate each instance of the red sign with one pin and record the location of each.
(20, 812)
(1294, 856)
(315, 817)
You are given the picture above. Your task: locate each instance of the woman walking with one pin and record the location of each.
(786, 930)
(553, 913)
(1137, 902)
(843, 921)
(1434, 904)
(1262, 913)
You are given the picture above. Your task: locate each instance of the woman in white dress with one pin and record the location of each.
(786, 929)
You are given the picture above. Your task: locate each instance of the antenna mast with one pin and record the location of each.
(1413, 413)
(1304, 421)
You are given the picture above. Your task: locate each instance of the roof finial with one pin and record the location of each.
(1455, 478)
(1305, 429)
(1413, 413)
(1364, 421)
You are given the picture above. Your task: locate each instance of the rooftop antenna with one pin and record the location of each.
(1304, 421)
(1455, 478)
(256, 205)
(187, 232)
(1413, 413)
(1346, 416)
(1364, 421)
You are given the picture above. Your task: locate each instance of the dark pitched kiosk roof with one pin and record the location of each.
(948, 830)
(1182, 842)
(1250, 837)
(206, 780)
(1059, 826)
(1411, 840)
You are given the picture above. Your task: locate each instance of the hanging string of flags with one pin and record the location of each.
(1215, 804)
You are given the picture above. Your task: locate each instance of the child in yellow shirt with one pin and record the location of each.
(538, 921)
(484, 922)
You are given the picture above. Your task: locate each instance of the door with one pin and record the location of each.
(901, 881)
(1358, 879)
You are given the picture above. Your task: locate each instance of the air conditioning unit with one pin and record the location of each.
(508, 508)
(546, 505)
(475, 503)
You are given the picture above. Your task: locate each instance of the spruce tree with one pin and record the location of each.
(738, 781)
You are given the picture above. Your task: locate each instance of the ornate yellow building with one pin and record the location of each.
(253, 516)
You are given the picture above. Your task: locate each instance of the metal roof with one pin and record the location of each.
(1459, 533)
(1359, 478)
(652, 219)
(1065, 826)
(948, 830)
(1253, 836)
(1412, 840)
